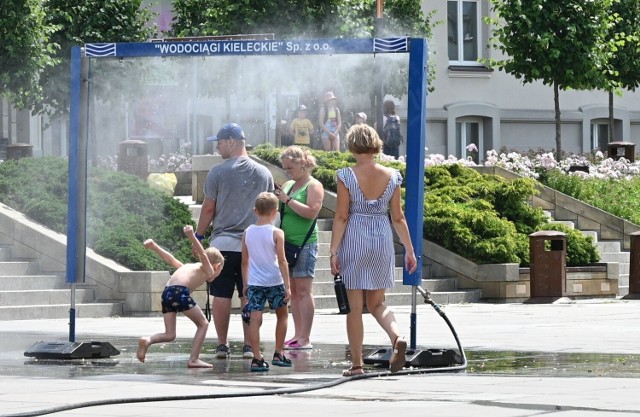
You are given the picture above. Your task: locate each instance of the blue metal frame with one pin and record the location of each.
(416, 141)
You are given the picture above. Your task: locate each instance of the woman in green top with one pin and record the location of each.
(302, 198)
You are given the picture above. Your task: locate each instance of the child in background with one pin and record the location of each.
(176, 296)
(266, 278)
(301, 127)
(330, 123)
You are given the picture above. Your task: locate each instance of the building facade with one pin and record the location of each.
(470, 104)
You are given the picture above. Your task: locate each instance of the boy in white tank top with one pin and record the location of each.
(265, 273)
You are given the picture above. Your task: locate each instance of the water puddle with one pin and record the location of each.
(550, 364)
(167, 363)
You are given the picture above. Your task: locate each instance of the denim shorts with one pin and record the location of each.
(306, 265)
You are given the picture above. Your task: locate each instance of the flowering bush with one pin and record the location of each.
(172, 162)
(595, 167)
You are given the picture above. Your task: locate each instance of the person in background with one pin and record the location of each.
(361, 118)
(229, 193)
(301, 199)
(301, 127)
(176, 296)
(389, 115)
(362, 246)
(330, 123)
(266, 279)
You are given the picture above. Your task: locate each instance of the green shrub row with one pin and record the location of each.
(484, 218)
(602, 193)
(122, 211)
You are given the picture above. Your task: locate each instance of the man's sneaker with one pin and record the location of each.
(222, 352)
(247, 352)
(280, 360)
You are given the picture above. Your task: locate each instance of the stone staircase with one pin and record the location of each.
(611, 251)
(443, 290)
(27, 293)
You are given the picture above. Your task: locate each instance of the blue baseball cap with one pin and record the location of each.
(229, 131)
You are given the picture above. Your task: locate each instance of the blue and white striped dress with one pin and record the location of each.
(366, 253)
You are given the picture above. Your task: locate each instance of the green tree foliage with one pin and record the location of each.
(297, 19)
(559, 42)
(25, 50)
(285, 18)
(292, 19)
(624, 39)
(83, 22)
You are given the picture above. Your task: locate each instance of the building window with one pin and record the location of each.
(469, 139)
(463, 27)
(600, 136)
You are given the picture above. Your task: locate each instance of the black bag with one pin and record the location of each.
(291, 252)
(391, 132)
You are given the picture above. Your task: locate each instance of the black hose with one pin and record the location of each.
(278, 391)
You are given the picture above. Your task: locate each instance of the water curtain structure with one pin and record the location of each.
(224, 79)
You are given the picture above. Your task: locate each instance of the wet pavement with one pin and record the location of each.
(566, 359)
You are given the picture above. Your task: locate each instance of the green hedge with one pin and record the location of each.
(484, 218)
(122, 211)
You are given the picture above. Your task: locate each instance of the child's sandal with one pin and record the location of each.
(353, 371)
(259, 365)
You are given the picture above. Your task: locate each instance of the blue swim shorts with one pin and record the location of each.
(176, 298)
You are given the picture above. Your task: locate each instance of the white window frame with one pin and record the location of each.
(596, 125)
(463, 141)
(461, 35)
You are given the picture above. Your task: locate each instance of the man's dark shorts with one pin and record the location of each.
(230, 277)
(176, 298)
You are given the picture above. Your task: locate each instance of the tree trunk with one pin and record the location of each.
(612, 136)
(556, 99)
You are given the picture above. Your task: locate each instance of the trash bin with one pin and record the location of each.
(132, 158)
(634, 264)
(626, 150)
(548, 254)
(19, 150)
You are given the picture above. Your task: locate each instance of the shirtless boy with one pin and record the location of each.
(176, 296)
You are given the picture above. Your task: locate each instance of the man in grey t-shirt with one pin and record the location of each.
(229, 196)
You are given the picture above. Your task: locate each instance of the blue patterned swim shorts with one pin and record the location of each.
(176, 298)
(258, 297)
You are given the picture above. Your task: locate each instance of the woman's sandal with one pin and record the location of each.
(353, 371)
(398, 358)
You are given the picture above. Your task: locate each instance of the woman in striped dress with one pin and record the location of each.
(362, 248)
